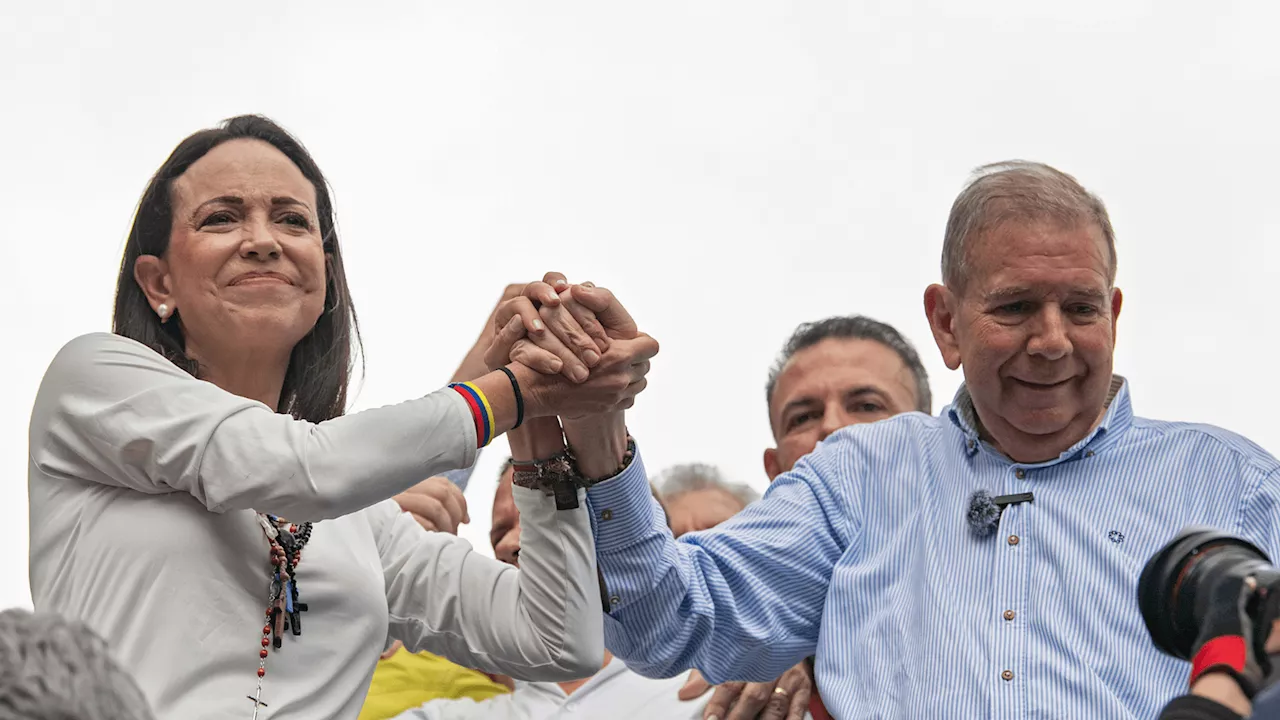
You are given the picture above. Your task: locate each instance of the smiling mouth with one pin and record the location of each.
(1041, 386)
(261, 279)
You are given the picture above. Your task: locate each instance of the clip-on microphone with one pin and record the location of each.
(984, 510)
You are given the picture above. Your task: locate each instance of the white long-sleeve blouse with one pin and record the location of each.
(144, 486)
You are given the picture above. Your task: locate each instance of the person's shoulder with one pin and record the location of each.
(104, 349)
(97, 368)
(1208, 442)
(894, 434)
(867, 447)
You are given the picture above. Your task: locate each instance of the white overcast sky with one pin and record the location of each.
(730, 169)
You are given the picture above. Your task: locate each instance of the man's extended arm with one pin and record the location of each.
(742, 601)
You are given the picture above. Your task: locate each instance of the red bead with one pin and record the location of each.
(262, 671)
(265, 642)
(262, 652)
(266, 629)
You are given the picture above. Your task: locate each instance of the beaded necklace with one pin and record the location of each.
(286, 541)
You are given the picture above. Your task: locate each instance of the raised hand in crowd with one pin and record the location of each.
(436, 503)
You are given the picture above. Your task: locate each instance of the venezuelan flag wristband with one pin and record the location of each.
(481, 411)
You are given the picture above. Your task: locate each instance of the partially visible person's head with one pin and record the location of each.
(697, 497)
(234, 252)
(52, 668)
(504, 529)
(1028, 306)
(837, 372)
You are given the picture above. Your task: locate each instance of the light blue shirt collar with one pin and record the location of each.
(1118, 417)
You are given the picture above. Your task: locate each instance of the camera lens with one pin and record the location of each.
(1174, 586)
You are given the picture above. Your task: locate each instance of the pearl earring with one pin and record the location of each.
(163, 311)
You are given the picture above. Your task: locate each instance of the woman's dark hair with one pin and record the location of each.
(315, 385)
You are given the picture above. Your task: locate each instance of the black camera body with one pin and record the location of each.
(1174, 585)
(1195, 574)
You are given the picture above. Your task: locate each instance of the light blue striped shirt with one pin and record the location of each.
(862, 555)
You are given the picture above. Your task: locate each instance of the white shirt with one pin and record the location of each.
(616, 693)
(144, 483)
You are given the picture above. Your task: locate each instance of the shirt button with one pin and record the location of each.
(1089, 454)
(571, 707)
(1009, 614)
(606, 515)
(615, 600)
(1013, 539)
(1020, 473)
(1007, 675)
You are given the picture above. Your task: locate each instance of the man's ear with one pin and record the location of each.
(771, 467)
(941, 307)
(1117, 299)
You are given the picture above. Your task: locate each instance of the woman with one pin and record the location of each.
(165, 458)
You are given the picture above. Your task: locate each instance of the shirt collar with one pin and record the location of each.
(1117, 418)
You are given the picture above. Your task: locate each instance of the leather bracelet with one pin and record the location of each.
(554, 477)
(558, 476)
(627, 456)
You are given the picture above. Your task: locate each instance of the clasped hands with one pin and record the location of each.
(590, 358)
(582, 334)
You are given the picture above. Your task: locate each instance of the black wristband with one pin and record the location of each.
(515, 387)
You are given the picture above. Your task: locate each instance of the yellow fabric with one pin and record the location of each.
(405, 681)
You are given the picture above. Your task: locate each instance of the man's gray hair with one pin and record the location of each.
(690, 477)
(52, 668)
(1022, 191)
(854, 327)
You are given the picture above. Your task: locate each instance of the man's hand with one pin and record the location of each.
(557, 328)
(535, 330)
(612, 386)
(436, 503)
(785, 699)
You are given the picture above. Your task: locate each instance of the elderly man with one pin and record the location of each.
(862, 553)
(615, 692)
(697, 497)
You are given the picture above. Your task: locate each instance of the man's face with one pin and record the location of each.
(504, 533)
(1034, 329)
(700, 510)
(827, 386)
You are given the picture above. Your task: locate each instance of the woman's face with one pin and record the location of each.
(245, 268)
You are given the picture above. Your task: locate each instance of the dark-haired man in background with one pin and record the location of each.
(832, 373)
(838, 372)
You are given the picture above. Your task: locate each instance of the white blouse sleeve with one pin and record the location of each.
(542, 621)
(112, 411)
